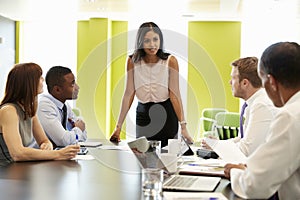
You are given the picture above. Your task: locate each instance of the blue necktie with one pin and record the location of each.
(242, 119)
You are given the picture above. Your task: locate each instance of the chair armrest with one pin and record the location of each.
(207, 119)
(207, 123)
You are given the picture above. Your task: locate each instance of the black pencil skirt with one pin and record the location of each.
(156, 121)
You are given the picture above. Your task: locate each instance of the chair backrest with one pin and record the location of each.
(227, 124)
(208, 117)
(76, 111)
(211, 112)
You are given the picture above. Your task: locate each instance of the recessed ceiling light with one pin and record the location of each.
(101, 9)
(188, 15)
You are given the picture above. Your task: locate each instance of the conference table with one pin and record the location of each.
(113, 174)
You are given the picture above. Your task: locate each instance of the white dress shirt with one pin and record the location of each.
(275, 165)
(50, 115)
(258, 115)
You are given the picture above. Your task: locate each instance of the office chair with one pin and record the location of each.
(227, 125)
(207, 120)
(76, 111)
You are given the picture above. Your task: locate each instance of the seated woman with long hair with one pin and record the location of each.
(19, 125)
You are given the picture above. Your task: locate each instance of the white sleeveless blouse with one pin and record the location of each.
(151, 82)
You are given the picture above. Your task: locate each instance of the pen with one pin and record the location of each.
(206, 165)
(198, 198)
(76, 136)
(193, 164)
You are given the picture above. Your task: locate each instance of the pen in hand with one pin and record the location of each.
(76, 137)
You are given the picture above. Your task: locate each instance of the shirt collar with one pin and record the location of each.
(254, 96)
(58, 103)
(293, 98)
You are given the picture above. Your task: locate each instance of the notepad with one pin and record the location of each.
(199, 170)
(84, 157)
(90, 144)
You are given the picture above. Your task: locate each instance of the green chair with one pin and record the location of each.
(76, 111)
(207, 120)
(227, 125)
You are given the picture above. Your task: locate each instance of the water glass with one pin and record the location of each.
(152, 180)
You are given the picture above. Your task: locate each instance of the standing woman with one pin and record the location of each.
(19, 125)
(153, 76)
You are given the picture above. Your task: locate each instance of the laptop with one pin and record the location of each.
(185, 149)
(149, 159)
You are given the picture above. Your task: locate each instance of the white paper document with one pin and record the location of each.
(227, 150)
(114, 147)
(193, 195)
(84, 157)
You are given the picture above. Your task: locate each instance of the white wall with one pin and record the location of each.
(263, 25)
(7, 50)
(268, 23)
(49, 43)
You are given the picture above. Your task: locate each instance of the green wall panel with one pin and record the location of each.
(91, 75)
(118, 71)
(18, 41)
(101, 58)
(212, 46)
(82, 42)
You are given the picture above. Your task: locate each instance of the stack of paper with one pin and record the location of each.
(209, 167)
(193, 195)
(227, 150)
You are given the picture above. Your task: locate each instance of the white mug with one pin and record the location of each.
(170, 161)
(174, 146)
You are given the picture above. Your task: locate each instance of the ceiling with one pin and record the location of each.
(123, 9)
(34, 9)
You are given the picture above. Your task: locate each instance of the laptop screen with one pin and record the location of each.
(146, 155)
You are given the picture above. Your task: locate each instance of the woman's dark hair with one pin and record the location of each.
(282, 61)
(22, 87)
(139, 52)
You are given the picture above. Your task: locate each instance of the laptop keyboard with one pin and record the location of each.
(181, 181)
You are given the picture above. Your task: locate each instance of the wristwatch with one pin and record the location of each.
(182, 122)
